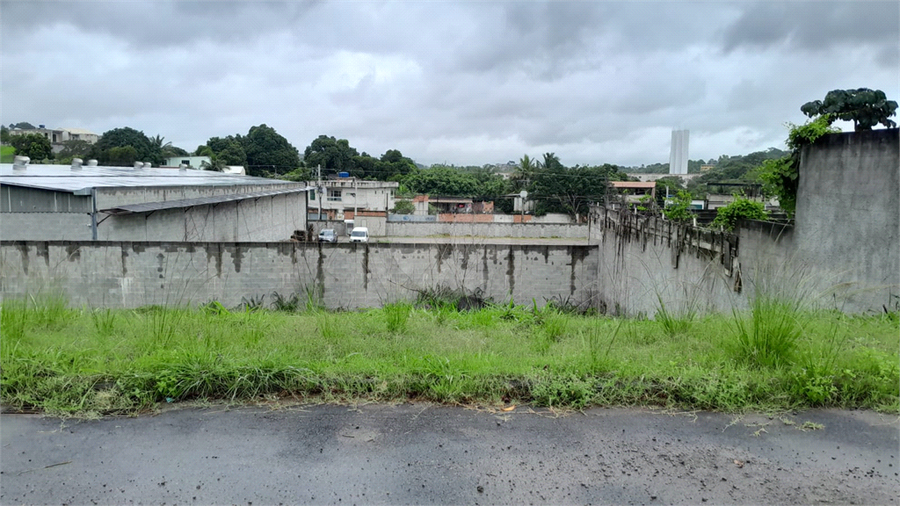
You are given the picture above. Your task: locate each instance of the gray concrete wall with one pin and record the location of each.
(123, 274)
(264, 219)
(45, 226)
(411, 229)
(848, 217)
(646, 264)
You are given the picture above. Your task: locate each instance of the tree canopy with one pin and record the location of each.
(34, 146)
(143, 148)
(332, 155)
(263, 151)
(864, 107)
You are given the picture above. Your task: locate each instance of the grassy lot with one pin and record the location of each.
(90, 362)
(7, 153)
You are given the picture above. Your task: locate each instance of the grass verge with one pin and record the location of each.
(92, 362)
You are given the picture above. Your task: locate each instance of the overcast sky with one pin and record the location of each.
(466, 83)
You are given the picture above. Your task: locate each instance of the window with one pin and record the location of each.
(334, 195)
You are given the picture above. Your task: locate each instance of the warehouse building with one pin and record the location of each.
(143, 203)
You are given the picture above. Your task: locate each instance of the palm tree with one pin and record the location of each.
(214, 164)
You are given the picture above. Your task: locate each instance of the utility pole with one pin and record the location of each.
(319, 189)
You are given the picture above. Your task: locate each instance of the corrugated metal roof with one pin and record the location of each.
(63, 178)
(147, 207)
(632, 184)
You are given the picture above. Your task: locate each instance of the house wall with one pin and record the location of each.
(848, 216)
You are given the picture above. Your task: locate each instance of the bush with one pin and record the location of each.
(741, 208)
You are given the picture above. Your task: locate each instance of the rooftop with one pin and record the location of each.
(63, 178)
(632, 184)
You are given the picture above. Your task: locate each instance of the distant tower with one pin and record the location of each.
(678, 156)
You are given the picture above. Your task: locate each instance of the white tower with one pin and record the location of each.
(678, 156)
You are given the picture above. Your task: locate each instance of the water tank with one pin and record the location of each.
(343, 174)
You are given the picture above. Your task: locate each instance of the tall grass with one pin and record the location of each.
(499, 354)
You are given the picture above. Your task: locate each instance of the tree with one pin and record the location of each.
(392, 166)
(144, 149)
(680, 207)
(268, 152)
(403, 207)
(34, 146)
(333, 155)
(73, 149)
(121, 155)
(442, 181)
(4, 135)
(569, 190)
(864, 107)
(23, 126)
(214, 164)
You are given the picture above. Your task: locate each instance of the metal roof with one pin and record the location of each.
(147, 207)
(62, 178)
(632, 184)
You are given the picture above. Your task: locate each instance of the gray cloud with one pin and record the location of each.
(814, 26)
(465, 83)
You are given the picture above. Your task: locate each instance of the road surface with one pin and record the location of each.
(427, 454)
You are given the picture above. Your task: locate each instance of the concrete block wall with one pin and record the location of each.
(131, 274)
(647, 263)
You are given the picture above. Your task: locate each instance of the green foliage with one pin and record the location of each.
(4, 134)
(570, 190)
(333, 155)
(7, 154)
(781, 176)
(679, 209)
(268, 152)
(864, 107)
(396, 316)
(403, 206)
(769, 337)
(444, 181)
(34, 146)
(141, 148)
(74, 149)
(739, 209)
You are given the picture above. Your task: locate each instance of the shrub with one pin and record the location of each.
(741, 208)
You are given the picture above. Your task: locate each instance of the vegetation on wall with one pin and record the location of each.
(740, 209)
(781, 176)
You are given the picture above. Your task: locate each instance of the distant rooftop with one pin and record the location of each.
(63, 178)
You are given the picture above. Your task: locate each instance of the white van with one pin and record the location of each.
(359, 234)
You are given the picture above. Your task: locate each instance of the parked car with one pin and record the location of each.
(327, 235)
(359, 234)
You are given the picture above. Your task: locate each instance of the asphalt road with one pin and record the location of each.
(425, 454)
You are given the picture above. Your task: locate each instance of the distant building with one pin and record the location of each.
(678, 156)
(191, 162)
(57, 136)
(340, 198)
(84, 202)
(629, 193)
